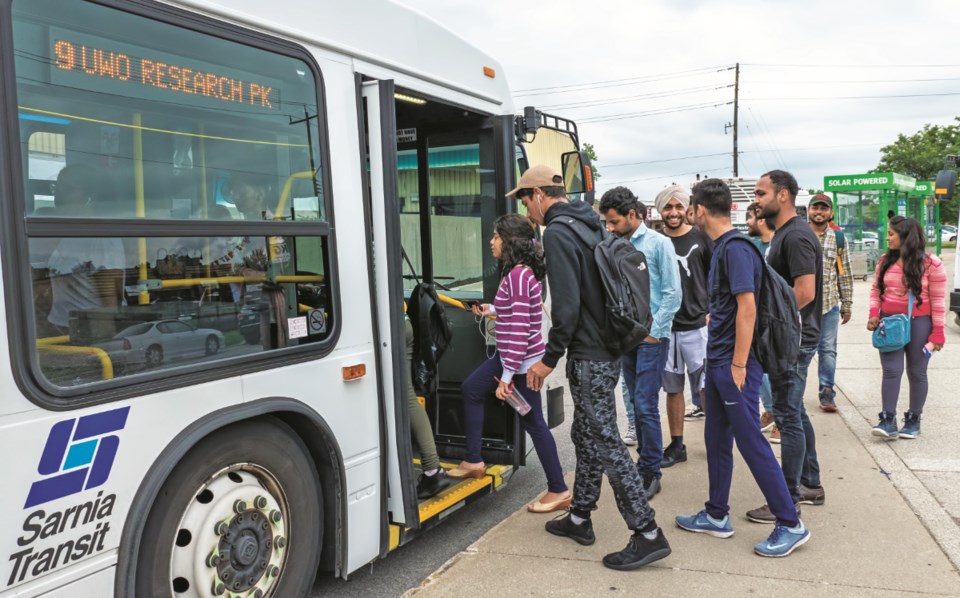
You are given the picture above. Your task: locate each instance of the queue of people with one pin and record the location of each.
(705, 281)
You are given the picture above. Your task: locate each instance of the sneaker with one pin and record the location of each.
(887, 428)
(812, 496)
(674, 454)
(783, 540)
(639, 552)
(694, 414)
(630, 438)
(911, 425)
(764, 515)
(651, 485)
(581, 533)
(766, 421)
(775, 434)
(827, 402)
(429, 486)
(705, 524)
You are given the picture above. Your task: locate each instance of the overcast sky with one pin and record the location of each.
(804, 69)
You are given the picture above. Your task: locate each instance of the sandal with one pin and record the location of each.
(464, 472)
(549, 507)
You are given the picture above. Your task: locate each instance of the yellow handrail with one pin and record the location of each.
(179, 283)
(106, 365)
(287, 186)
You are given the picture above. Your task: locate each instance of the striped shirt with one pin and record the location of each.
(896, 297)
(519, 321)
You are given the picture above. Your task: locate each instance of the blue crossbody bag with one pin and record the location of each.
(893, 332)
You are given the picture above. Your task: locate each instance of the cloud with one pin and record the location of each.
(790, 52)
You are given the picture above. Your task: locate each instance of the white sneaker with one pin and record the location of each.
(695, 414)
(630, 438)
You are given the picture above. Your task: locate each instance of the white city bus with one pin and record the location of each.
(206, 209)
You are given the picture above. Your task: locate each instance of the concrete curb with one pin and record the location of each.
(924, 504)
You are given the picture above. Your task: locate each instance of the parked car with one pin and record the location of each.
(948, 233)
(151, 343)
(871, 240)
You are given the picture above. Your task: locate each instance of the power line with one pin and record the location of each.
(754, 151)
(877, 97)
(846, 66)
(667, 176)
(617, 82)
(629, 115)
(653, 95)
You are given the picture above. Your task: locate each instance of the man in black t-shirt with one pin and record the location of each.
(796, 255)
(688, 335)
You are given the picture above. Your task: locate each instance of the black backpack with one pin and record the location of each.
(431, 337)
(626, 284)
(776, 336)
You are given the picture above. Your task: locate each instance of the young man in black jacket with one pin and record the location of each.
(578, 316)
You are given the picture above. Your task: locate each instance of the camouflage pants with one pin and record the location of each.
(596, 441)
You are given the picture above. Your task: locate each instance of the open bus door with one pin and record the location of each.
(437, 174)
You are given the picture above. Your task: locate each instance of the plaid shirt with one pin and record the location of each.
(837, 276)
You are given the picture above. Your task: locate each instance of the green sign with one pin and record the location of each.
(876, 181)
(922, 189)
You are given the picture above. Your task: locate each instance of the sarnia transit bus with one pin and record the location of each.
(213, 213)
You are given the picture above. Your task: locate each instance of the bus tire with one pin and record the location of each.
(241, 512)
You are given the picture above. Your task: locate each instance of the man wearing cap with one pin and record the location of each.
(837, 293)
(688, 337)
(577, 314)
(643, 367)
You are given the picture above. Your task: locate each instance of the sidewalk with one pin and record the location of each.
(889, 526)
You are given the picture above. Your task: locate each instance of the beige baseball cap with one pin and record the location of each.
(538, 176)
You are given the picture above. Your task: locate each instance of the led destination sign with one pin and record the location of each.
(99, 65)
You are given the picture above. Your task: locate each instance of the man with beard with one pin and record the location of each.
(643, 366)
(761, 234)
(688, 337)
(837, 294)
(796, 255)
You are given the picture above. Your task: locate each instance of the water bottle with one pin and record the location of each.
(516, 400)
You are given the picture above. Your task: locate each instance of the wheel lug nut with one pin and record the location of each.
(273, 571)
(275, 516)
(240, 506)
(258, 593)
(212, 559)
(220, 528)
(218, 588)
(280, 542)
(260, 502)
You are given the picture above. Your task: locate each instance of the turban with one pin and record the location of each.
(677, 192)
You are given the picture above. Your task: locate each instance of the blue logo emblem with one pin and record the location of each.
(78, 455)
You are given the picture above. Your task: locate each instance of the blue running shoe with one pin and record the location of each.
(911, 425)
(783, 540)
(705, 524)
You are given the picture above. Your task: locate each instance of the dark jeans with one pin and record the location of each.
(732, 415)
(598, 446)
(798, 448)
(643, 370)
(480, 387)
(892, 362)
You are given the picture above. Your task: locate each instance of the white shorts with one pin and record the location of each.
(687, 353)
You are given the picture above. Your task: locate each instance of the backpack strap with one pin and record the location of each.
(580, 230)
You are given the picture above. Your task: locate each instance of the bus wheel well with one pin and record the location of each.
(324, 453)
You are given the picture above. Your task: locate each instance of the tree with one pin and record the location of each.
(921, 156)
(592, 154)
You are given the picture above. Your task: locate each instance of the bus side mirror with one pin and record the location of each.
(577, 175)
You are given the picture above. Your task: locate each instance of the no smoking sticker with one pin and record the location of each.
(316, 323)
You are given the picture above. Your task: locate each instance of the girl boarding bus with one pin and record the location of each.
(213, 213)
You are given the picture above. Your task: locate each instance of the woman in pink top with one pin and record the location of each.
(907, 269)
(519, 324)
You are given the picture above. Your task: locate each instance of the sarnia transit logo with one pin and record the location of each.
(78, 456)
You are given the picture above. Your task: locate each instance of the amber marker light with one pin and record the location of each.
(354, 372)
(489, 72)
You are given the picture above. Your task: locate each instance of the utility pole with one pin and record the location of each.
(736, 111)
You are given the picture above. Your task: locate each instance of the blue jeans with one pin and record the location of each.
(643, 370)
(827, 349)
(798, 448)
(766, 394)
(627, 397)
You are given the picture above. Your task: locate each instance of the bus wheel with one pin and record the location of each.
(240, 514)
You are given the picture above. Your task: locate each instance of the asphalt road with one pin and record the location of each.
(409, 565)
